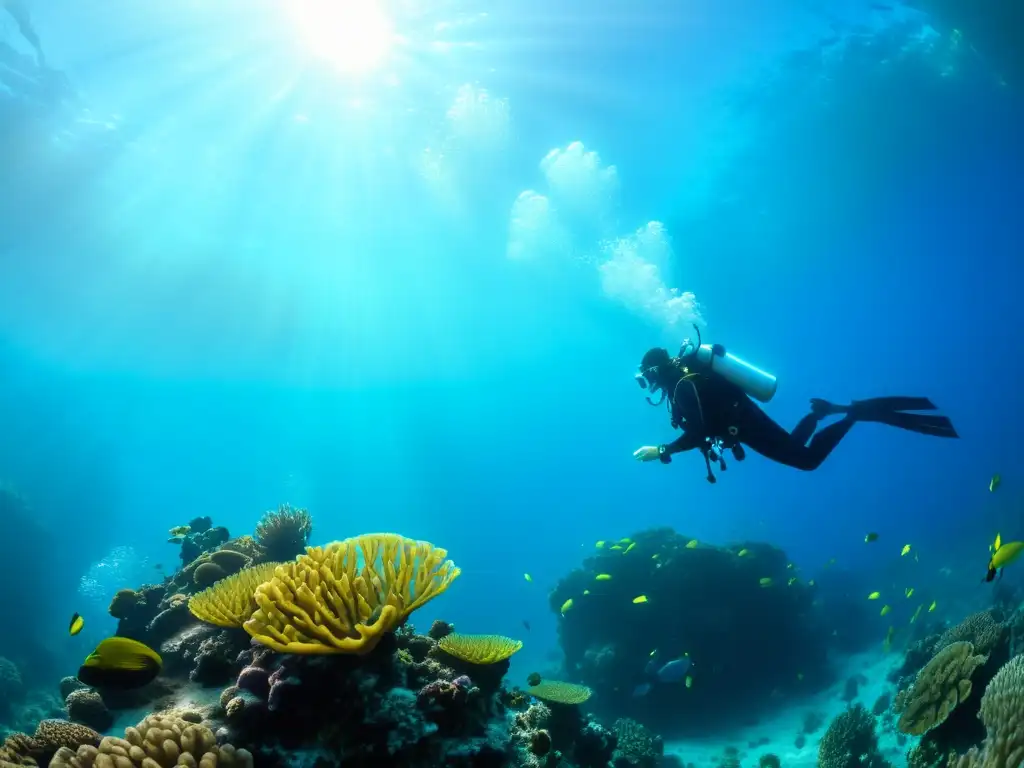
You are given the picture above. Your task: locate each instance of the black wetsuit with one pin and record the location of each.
(708, 407)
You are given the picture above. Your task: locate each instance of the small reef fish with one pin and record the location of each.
(933, 606)
(586, 591)
(792, 581)
(789, 566)
(994, 483)
(917, 613)
(674, 671)
(566, 606)
(642, 690)
(77, 622)
(603, 577)
(526, 624)
(885, 610)
(810, 583)
(528, 577)
(692, 544)
(600, 545)
(640, 599)
(909, 591)
(872, 536)
(874, 595)
(632, 545)
(1002, 556)
(119, 662)
(905, 550)
(689, 681)
(766, 581)
(743, 553)
(616, 547)
(180, 530)
(626, 540)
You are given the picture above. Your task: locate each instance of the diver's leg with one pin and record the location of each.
(763, 435)
(805, 428)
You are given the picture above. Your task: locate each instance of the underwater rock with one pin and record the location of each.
(86, 706)
(214, 662)
(69, 685)
(135, 609)
(11, 686)
(617, 608)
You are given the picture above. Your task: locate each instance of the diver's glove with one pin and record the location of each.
(652, 452)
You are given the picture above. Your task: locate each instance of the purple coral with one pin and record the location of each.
(256, 680)
(281, 685)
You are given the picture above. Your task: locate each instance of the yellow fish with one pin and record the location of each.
(905, 550)
(603, 577)
(616, 547)
(1003, 555)
(692, 544)
(789, 566)
(566, 606)
(766, 582)
(119, 662)
(77, 622)
(632, 544)
(874, 595)
(872, 536)
(909, 591)
(810, 583)
(640, 599)
(586, 591)
(654, 556)
(180, 530)
(600, 545)
(994, 483)
(885, 610)
(743, 553)
(626, 540)
(933, 606)
(792, 581)
(528, 577)
(689, 682)
(917, 613)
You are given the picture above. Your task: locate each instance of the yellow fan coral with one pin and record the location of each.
(230, 602)
(944, 682)
(343, 597)
(479, 649)
(559, 692)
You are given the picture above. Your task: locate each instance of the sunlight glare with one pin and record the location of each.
(353, 35)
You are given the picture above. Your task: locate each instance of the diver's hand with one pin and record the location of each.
(646, 453)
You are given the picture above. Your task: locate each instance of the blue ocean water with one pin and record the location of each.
(407, 288)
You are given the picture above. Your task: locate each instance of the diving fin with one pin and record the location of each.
(887, 410)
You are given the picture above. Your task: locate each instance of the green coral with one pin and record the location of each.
(940, 687)
(851, 742)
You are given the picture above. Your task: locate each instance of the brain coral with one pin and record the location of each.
(343, 597)
(944, 682)
(1002, 712)
(159, 741)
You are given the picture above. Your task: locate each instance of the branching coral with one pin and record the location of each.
(559, 692)
(342, 598)
(1002, 712)
(157, 742)
(230, 602)
(284, 534)
(940, 686)
(636, 745)
(479, 649)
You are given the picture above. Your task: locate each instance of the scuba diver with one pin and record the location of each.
(710, 393)
(19, 12)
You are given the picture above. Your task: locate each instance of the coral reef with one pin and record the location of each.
(11, 685)
(86, 706)
(851, 742)
(157, 742)
(1002, 712)
(738, 667)
(50, 736)
(940, 686)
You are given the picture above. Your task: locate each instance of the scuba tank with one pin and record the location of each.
(759, 384)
